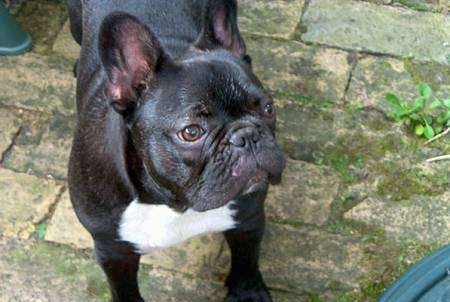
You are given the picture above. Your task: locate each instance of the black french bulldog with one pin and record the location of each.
(175, 136)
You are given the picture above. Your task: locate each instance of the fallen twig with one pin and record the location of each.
(447, 131)
(442, 157)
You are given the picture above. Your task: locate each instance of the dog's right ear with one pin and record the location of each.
(131, 56)
(220, 29)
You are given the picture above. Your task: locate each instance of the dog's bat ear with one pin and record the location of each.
(131, 56)
(220, 29)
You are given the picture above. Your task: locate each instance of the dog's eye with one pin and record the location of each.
(191, 133)
(269, 110)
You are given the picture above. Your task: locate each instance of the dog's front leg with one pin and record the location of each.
(120, 265)
(245, 282)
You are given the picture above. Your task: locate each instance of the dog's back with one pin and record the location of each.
(176, 23)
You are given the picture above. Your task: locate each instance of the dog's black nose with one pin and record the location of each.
(241, 136)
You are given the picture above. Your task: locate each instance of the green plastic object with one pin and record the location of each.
(13, 40)
(427, 281)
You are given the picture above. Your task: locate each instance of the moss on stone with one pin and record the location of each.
(436, 75)
(391, 263)
(386, 259)
(64, 268)
(401, 185)
(420, 5)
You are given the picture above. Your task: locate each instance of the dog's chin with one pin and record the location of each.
(258, 182)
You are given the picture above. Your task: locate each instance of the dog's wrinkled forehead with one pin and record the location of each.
(223, 84)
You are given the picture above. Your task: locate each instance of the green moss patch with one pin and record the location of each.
(401, 185)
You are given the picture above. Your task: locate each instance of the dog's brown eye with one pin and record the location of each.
(191, 133)
(269, 110)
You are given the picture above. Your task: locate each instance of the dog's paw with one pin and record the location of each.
(247, 290)
(261, 295)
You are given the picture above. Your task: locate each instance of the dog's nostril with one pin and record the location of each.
(237, 140)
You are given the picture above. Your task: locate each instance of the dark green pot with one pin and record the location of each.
(427, 281)
(13, 40)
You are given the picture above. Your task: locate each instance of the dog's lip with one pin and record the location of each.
(257, 182)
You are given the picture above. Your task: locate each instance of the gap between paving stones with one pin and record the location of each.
(52, 207)
(323, 45)
(11, 145)
(43, 146)
(350, 76)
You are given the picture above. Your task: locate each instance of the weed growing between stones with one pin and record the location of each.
(427, 115)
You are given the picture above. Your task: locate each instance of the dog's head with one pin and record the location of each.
(202, 128)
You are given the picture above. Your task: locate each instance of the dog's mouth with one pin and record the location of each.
(257, 182)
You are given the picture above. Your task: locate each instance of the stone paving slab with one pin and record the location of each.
(70, 275)
(43, 146)
(200, 256)
(67, 275)
(289, 67)
(422, 218)
(65, 45)
(10, 124)
(26, 200)
(37, 82)
(277, 18)
(312, 188)
(373, 77)
(65, 228)
(303, 130)
(369, 27)
(311, 260)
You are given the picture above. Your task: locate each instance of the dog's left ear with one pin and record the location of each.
(220, 28)
(131, 56)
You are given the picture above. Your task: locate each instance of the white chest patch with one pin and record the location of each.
(151, 227)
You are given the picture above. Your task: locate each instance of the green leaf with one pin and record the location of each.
(419, 129)
(424, 90)
(443, 116)
(437, 129)
(446, 103)
(428, 119)
(398, 113)
(359, 105)
(435, 104)
(418, 103)
(41, 230)
(404, 105)
(414, 116)
(392, 98)
(428, 132)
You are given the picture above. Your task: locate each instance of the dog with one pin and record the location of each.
(174, 137)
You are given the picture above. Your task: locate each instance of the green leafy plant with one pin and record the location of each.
(41, 230)
(427, 115)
